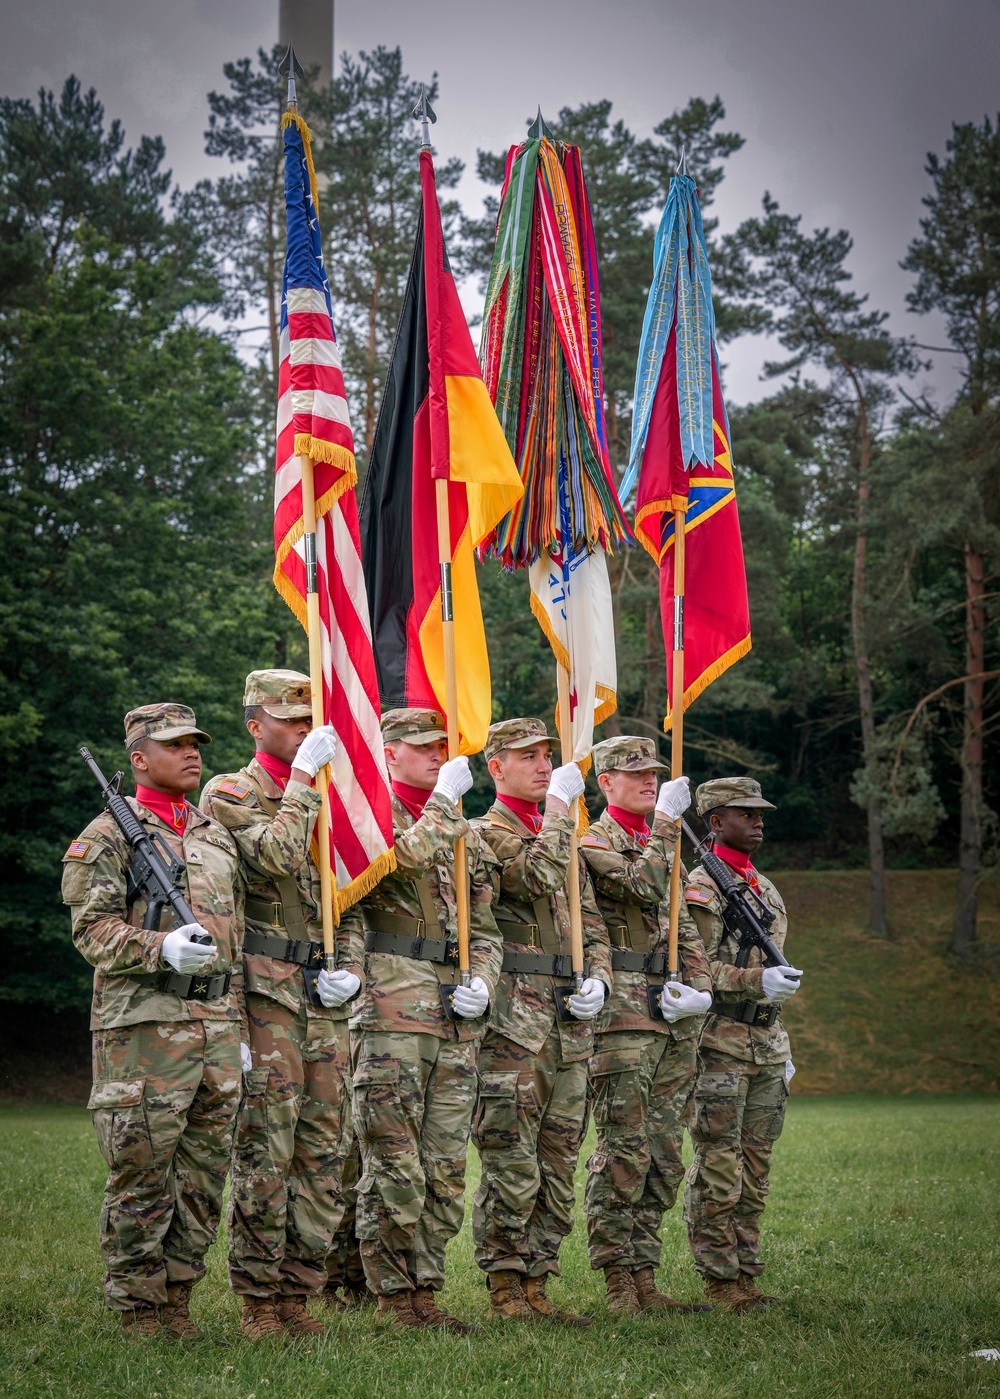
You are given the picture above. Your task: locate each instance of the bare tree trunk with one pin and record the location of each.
(866, 702)
(963, 936)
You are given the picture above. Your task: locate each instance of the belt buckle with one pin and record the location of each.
(557, 965)
(288, 955)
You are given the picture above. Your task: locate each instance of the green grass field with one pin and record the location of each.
(882, 1236)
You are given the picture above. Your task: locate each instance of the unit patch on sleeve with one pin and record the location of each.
(694, 895)
(77, 850)
(595, 841)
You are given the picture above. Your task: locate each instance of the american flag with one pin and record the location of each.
(313, 421)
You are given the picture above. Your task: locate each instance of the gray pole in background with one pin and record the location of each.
(308, 24)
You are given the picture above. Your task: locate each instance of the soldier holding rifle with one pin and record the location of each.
(293, 1132)
(533, 1065)
(744, 1062)
(643, 1070)
(166, 1018)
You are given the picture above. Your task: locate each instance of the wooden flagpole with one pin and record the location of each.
(677, 730)
(326, 877)
(451, 714)
(573, 879)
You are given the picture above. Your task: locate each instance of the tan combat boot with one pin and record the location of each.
(295, 1319)
(727, 1295)
(260, 1319)
(331, 1298)
(359, 1294)
(748, 1287)
(429, 1314)
(507, 1301)
(395, 1311)
(620, 1288)
(174, 1317)
(534, 1292)
(651, 1299)
(141, 1323)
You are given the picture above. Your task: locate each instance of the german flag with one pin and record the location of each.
(436, 422)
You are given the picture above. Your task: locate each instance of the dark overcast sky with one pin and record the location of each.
(839, 102)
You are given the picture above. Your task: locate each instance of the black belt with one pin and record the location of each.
(421, 949)
(538, 963)
(749, 1012)
(622, 960)
(189, 988)
(301, 951)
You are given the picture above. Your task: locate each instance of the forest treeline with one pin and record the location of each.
(137, 435)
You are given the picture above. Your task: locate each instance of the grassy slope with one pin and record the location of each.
(882, 1236)
(888, 1016)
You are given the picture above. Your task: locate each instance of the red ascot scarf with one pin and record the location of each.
(276, 768)
(631, 821)
(739, 862)
(413, 798)
(525, 811)
(172, 811)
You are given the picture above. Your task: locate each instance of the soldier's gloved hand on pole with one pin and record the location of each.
(674, 798)
(589, 1000)
(337, 988)
(470, 1001)
(246, 1058)
(316, 749)
(780, 983)
(678, 1001)
(566, 783)
(179, 952)
(454, 779)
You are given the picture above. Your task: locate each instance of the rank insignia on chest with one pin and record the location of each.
(77, 850)
(595, 842)
(233, 789)
(694, 895)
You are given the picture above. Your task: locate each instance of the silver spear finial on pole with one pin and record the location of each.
(682, 164)
(291, 68)
(424, 113)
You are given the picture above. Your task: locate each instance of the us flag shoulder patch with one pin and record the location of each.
(233, 789)
(596, 841)
(77, 849)
(694, 895)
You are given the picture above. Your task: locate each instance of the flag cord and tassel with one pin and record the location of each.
(326, 885)
(677, 728)
(451, 716)
(573, 876)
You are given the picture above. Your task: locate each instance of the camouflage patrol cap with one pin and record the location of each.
(416, 726)
(515, 733)
(730, 791)
(625, 754)
(284, 694)
(162, 722)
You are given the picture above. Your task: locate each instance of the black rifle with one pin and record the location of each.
(746, 917)
(153, 873)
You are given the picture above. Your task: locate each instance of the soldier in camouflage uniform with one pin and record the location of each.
(166, 1019)
(744, 1063)
(645, 1053)
(415, 1069)
(293, 1132)
(533, 1066)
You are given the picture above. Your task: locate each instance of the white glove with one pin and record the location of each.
(678, 1001)
(674, 798)
(184, 955)
(336, 988)
(316, 750)
(246, 1058)
(454, 779)
(589, 1000)
(471, 1001)
(566, 783)
(780, 983)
